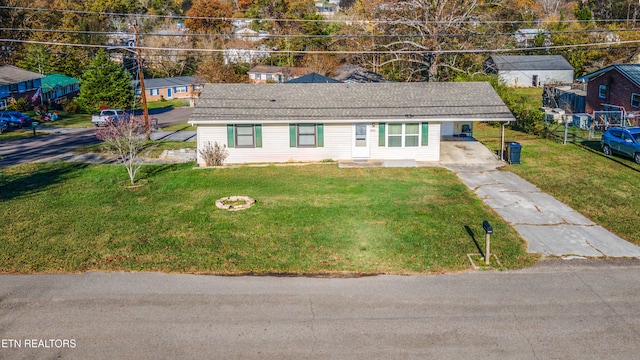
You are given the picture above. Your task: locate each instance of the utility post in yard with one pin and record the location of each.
(145, 111)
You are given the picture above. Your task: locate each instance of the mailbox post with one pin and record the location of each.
(34, 125)
(488, 230)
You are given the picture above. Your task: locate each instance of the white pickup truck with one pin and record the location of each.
(108, 115)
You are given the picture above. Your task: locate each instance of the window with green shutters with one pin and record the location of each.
(306, 135)
(244, 135)
(403, 134)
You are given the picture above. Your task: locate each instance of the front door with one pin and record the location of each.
(361, 141)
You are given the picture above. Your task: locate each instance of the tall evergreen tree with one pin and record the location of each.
(105, 83)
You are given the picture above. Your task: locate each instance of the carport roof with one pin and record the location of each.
(341, 102)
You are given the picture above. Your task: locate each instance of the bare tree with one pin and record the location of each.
(126, 137)
(421, 29)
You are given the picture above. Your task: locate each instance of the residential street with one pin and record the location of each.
(64, 140)
(578, 309)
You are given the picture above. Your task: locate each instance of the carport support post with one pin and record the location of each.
(502, 141)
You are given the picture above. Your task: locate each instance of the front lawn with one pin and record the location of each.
(603, 188)
(315, 219)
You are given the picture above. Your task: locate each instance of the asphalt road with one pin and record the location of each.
(62, 141)
(560, 311)
(44, 146)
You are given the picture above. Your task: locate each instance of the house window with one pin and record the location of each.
(602, 91)
(269, 76)
(181, 89)
(244, 136)
(403, 135)
(635, 100)
(154, 92)
(306, 135)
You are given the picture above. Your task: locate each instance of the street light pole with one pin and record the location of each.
(145, 110)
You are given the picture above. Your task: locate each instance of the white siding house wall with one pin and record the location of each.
(524, 78)
(337, 145)
(420, 153)
(447, 129)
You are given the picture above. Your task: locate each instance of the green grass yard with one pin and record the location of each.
(314, 219)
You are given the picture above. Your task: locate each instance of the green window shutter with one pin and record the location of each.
(425, 134)
(258, 129)
(381, 135)
(320, 135)
(230, 136)
(292, 135)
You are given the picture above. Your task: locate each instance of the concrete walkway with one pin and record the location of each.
(549, 226)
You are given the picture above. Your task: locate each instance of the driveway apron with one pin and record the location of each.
(549, 226)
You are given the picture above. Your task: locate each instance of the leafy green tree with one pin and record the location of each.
(105, 83)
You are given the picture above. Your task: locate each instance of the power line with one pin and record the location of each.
(338, 36)
(342, 52)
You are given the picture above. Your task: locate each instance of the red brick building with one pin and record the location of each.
(615, 87)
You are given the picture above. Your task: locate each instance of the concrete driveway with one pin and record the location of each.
(549, 226)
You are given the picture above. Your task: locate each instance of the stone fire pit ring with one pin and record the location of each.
(235, 203)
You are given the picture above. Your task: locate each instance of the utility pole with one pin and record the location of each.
(145, 110)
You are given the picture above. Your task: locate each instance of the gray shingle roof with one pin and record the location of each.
(530, 62)
(312, 78)
(13, 75)
(630, 71)
(281, 103)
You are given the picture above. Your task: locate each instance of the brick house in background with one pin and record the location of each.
(179, 87)
(615, 87)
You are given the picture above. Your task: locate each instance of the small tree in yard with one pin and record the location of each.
(126, 137)
(214, 154)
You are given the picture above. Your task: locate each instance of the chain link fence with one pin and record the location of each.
(586, 127)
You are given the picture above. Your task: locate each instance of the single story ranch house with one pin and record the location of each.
(339, 121)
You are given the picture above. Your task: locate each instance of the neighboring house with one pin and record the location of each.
(180, 87)
(312, 78)
(530, 70)
(326, 9)
(236, 55)
(247, 34)
(339, 121)
(261, 74)
(526, 37)
(58, 88)
(615, 87)
(17, 83)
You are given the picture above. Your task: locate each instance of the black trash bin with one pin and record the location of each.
(513, 152)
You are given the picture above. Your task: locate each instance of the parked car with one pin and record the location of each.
(3, 126)
(15, 118)
(625, 141)
(108, 115)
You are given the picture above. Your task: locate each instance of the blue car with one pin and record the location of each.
(3, 126)
(15, 118)
(625, 141)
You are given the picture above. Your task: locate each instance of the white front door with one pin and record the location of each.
(361, 141)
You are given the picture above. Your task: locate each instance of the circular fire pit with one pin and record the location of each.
(235, 203)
